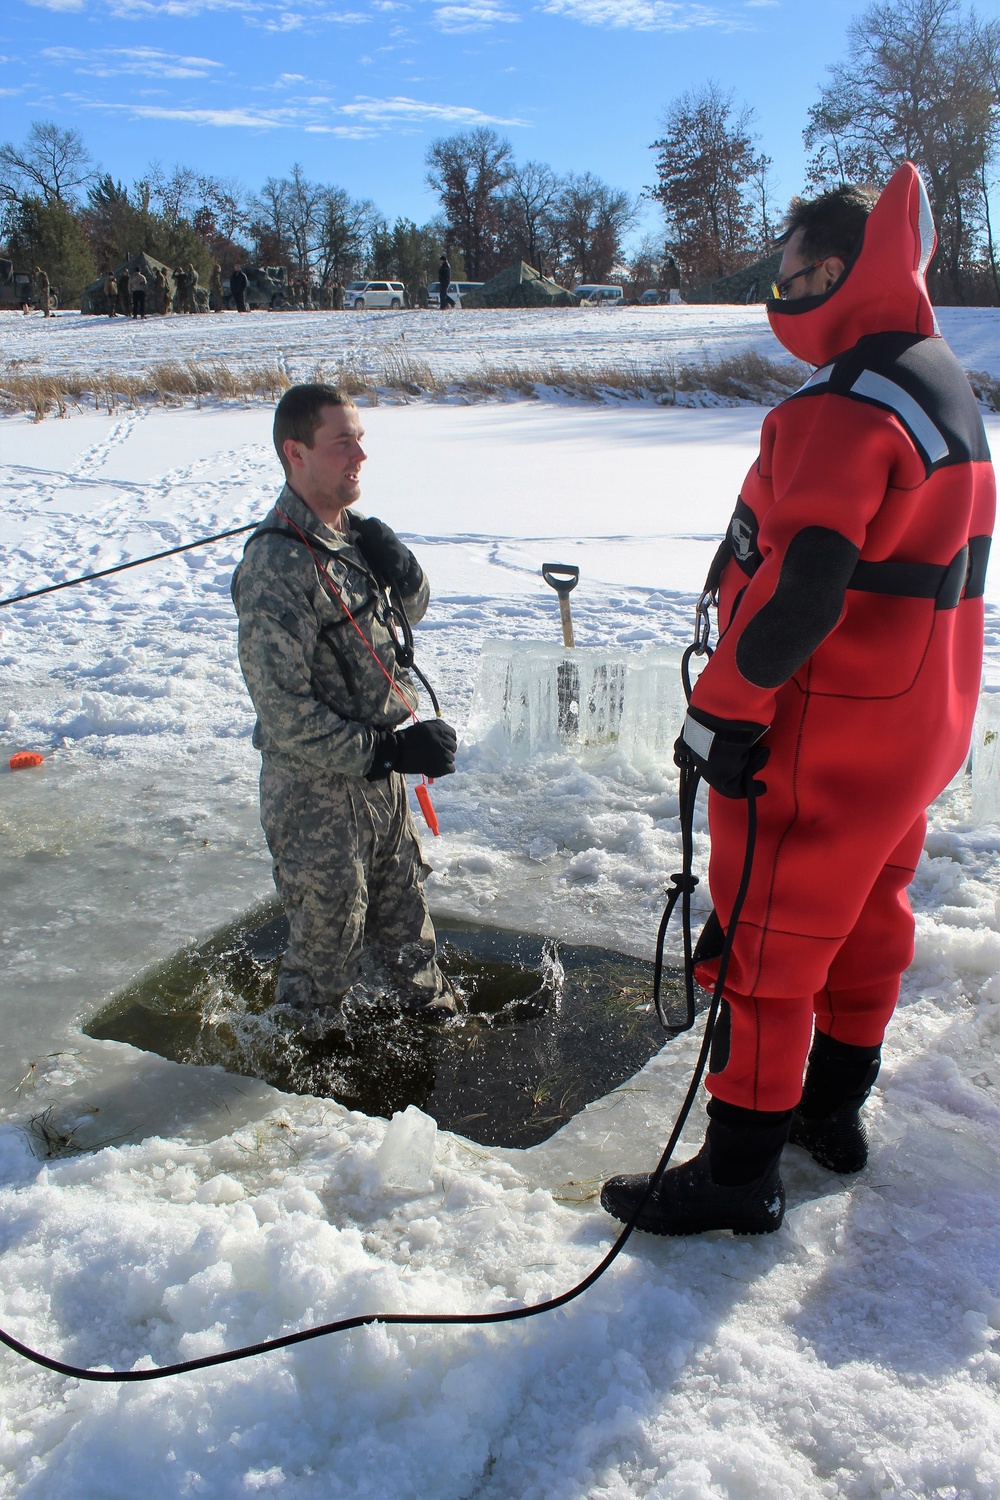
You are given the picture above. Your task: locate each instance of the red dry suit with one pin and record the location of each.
(850, 591)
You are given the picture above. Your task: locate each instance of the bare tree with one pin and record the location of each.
(707, 176)
(528, 214)
(177, 196)
(52, 164)
(468, 170)
(270, 222)
(344, 227)
(591, 220)
(918, 84)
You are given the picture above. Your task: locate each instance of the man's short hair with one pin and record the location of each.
(299, 413)
(834, 223)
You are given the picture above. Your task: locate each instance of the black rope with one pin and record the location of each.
(684, 884)
(70, 583)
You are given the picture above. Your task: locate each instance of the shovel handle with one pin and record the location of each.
(561, 576)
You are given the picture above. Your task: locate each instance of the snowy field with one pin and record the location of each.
(452, 344)
(855, 1353)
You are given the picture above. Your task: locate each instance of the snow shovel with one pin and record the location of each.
(563, 577)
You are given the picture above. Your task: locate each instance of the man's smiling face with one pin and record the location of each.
(327, 475)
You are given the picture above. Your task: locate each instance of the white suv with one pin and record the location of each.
(359, 294)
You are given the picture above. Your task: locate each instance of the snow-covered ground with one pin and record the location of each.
(852, 1354)
(453, 344)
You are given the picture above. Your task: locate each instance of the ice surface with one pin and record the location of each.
(824, 1361)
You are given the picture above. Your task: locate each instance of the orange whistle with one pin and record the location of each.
(423, 796)
(25, 758)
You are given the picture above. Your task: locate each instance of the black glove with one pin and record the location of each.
(426, 749)
(385, 554)
(727, 752)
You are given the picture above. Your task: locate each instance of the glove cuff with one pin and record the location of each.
(384, 760)
(702, 730)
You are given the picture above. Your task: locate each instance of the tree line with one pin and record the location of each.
(920, 81)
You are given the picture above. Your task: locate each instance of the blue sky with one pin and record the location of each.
(355, 90)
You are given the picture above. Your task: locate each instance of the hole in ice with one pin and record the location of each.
(546, 1028)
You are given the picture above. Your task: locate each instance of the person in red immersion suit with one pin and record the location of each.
(841, 695)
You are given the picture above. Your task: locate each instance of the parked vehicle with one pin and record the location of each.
(456, 291)
(267, 286)
(360, 294)
(601, 296)
(17, 288)
(653, 297)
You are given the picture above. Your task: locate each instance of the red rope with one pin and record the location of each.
(422, 793)
(333, 589)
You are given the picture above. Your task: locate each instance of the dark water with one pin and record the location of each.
(545, 1028)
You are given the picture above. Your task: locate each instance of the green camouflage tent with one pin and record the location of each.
(520, 286)
(95, 301)
(752, 284)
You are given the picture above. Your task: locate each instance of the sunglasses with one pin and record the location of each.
(779, 289)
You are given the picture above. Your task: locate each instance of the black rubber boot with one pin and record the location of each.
(827, 1122)
(732, 1183)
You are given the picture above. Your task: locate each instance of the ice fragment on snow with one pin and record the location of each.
(220, 1189)
(405, 1159)
(814, 1225)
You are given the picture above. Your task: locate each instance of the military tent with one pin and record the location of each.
(752, 284)
(94, 300)
(520, 286)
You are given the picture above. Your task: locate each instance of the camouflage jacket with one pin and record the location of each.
(318, 692)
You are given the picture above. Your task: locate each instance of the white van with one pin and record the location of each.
(601, 296)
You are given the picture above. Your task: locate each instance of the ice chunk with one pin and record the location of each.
(542, 697)
(405, 1159)
(986, 760)
(815, 1225)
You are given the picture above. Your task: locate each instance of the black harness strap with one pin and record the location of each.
(946, 583)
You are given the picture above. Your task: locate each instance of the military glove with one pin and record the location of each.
(727, 752)
(426, 749)
(385, 554)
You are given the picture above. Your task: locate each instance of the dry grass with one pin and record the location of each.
(169, 384)
(732, 380)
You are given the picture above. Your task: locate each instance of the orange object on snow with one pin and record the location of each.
(25, 758)
(423, 796)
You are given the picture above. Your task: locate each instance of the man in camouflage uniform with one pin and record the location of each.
(42, 288)
(215, 296)
(329, 694)
(161, 291)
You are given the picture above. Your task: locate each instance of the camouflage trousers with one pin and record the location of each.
(349, 872)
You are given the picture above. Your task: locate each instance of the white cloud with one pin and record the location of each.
(471, 17)
(146, 62)
(58, 5)
(137, 10)
(414, 111)
(363, 119)
(244, 119)
(644, 15)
